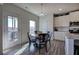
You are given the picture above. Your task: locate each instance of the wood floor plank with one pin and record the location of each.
(57, 48)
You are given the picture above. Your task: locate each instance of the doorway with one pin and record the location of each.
(12, 28)
(32, 27)
(11, 41)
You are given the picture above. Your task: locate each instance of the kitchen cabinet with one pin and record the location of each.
(70, 42)
(69, 46)
(59, 35)
(74, 16)
(62, 21)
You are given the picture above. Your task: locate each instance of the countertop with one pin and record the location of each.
(72, 36)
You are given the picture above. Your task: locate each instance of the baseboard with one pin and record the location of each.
(6, 49)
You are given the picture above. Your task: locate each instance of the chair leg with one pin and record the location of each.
(50, 43)
(35, 45)
(39, 49)
(29, 45)
(46, 47)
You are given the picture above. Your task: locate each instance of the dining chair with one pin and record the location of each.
(42, 42)
(31, 39)
(49, 38)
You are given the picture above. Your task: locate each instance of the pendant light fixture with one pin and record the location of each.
(42, 13)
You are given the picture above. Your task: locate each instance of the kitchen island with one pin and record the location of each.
(69, 43)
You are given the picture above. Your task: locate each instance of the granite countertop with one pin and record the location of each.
(72, 36)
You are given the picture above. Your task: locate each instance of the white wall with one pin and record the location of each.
(1, 29)
(43, 23)
(24, 17)
(46, 23)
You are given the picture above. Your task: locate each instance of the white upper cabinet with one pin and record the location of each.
(66, 19)
(62, 21)
(74, 16)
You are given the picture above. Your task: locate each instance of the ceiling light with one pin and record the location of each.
(60, 9)
(42, 13)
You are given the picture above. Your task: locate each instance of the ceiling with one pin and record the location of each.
(48, 8)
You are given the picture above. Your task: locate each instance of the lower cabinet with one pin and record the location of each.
(59, 35)
(76, 47)
(69, 46)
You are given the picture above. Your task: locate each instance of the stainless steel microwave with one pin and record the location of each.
(74, 23)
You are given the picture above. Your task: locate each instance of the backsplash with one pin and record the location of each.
(61, 29)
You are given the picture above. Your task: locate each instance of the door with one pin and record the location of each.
(12, 28)
(11, 34)
(32, 27)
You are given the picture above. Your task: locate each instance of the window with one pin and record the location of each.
(32, 26)
(12, 28)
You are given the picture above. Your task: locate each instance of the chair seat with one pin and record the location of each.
(42, 43)
(33, 40)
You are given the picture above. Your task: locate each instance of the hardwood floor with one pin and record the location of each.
(13, 50)
(57, 48)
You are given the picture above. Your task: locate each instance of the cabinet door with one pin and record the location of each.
(57, 22)
(66, 20)
(74, 16)
(62, 21)
(59, 35)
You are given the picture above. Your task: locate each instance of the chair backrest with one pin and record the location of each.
(41, 38)
(49, 35)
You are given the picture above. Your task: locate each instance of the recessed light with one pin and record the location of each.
(60, 9)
